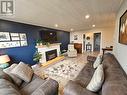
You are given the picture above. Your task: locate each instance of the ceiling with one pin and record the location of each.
(66, 13)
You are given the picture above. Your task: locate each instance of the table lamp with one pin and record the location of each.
(4, 59)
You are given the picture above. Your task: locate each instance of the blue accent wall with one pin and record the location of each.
(26, 53)
(64, 39)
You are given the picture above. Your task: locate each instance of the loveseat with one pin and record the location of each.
(115, 82)
(37, 86)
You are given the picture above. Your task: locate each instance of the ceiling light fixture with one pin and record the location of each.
(72, 29)
(56, 25)
(87, 16)
(93, 25)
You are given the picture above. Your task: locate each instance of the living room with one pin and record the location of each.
(63, 47)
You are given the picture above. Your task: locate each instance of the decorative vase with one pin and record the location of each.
(41, 44)
(37, 44)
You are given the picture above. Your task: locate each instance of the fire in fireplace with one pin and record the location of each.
(51, 54)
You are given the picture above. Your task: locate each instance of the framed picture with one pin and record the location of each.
(23, 43)
(123, 29)
(75, 37)
(9, 44)
(4, 36)
(9, 40)
(15, 36)
(23, 36)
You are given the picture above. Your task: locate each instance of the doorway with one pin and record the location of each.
(84, 38)
(97, 41)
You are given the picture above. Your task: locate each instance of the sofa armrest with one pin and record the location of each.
(72, 88)
(50, 87)
(91, 59)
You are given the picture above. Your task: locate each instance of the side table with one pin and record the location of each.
(88, 47)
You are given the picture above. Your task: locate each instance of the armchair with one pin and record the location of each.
(72, 52)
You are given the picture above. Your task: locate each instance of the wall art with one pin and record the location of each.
(123, 29)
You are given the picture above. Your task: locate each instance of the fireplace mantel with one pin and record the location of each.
(44, 46)
(43, 49)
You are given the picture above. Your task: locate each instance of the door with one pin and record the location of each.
(97, 41)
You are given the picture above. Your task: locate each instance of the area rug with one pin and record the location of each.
(65, 70)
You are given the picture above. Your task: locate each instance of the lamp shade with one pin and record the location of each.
(4, 59)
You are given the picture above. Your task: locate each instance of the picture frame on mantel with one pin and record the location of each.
(123, 29)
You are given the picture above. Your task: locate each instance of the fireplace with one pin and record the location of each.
(43, 49)
(51, 54)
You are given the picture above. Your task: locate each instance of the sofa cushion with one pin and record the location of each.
(4, 65)
(28, 88)
(113, 74)
(8, 70)
(72, 88)
(115, 78)
(7, 88)
(85, 75)
(97, 79)
(110, 61)
(97, 61)
(114, 88)
(49, 87)
(23, 71)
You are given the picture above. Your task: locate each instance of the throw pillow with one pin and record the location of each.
(23, 71)
(4, 65)
(97, 79)
(97, 61)
(8, 70)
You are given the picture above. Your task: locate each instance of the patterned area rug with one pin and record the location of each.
(65, 70)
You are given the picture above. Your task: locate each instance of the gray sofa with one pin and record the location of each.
(37, 86)
(115, 79)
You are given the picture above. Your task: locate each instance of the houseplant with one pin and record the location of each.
(37, 57)
(38, 42)
(47, 44)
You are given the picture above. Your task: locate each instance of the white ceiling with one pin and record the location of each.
(66, 13)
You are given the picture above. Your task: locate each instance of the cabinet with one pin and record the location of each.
(78, 47)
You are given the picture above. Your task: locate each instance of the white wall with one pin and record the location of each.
(120, 50)
(91, 35)
(106, 36)
(80, 37)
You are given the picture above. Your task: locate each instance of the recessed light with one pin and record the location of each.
(87, 16)
(56, 25)
(72, 29)
(93, 25)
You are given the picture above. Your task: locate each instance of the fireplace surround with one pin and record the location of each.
(43, 49)
(51, 54)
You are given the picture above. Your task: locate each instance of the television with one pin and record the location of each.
(49, 36)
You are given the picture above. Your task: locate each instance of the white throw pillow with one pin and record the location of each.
(23, 71)
(97, 61)
(8, 70)
(97, 79)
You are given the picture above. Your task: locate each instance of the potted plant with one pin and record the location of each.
(38, 42)
(37, 56)
(47, 44)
